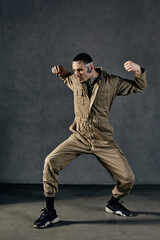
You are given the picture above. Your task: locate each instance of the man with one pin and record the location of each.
(94, 91)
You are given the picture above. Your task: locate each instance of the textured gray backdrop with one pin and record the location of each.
(36, 108)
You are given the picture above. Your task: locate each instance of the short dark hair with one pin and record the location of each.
(84, 57)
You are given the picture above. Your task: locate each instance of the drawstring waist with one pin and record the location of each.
(94, 119)
(92, 129)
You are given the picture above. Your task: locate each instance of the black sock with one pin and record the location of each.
(50, 204)
(114, 200)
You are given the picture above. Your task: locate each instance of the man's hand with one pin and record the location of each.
(57, 70)
(131, 66)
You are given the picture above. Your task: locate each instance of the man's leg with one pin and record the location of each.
(54, 162)
(112, 158)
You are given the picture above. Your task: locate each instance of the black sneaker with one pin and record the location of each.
(45, 219)
(118, 209)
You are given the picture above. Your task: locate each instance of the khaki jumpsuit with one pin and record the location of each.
(92, 133)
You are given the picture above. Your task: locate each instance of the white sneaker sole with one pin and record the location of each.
(55, 220)
(48, 223)
(119, 213)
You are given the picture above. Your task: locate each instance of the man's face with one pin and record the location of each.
(81, 71)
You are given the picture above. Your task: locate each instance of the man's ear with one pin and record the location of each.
(92, 67)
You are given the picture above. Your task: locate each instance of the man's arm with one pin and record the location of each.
(125, 86)
(64, 75)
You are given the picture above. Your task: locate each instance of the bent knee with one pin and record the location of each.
(129, 180)
(133, 179)
(51, 161)
(47, 160)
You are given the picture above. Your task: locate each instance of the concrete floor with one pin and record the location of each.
(81, 213)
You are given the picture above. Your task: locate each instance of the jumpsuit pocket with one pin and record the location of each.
(80, 97)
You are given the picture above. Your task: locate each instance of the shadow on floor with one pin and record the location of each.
(157, 214)
(121, 221)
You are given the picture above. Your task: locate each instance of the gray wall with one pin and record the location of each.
(36, 108)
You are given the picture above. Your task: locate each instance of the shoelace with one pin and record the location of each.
(44, 211)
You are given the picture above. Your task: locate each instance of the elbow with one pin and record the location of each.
(144, 86)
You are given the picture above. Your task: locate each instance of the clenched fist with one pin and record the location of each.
(57, 69)
(131, 66)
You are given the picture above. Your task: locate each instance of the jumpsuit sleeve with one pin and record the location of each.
(126, 87)
(67, 78)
